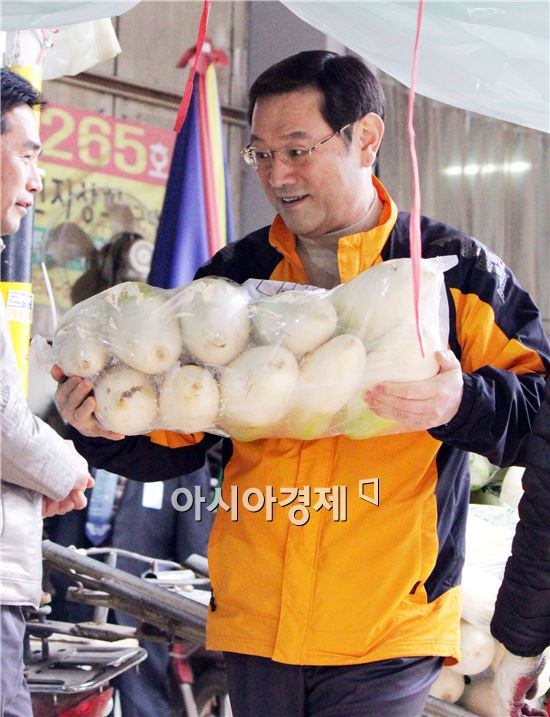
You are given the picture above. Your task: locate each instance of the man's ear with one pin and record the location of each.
(371, 131)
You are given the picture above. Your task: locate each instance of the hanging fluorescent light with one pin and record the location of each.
(471, 170)
(454, 171)
(517, 167)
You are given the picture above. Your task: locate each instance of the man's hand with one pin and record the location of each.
(420, 405)
(75, 500)
(515, 681)
(77, 406)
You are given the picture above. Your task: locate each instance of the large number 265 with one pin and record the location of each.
(95, 142)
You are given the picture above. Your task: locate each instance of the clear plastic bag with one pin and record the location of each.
(259, 360)
(489, 533)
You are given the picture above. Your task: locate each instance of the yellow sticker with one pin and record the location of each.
(19, 306)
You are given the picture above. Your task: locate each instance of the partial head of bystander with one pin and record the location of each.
(20, 148)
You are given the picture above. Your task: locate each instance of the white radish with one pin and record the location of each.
(213, 314)
(78, 352)
(380, 298)
(479, 593)
(80, 344)
(142, 328)
(477, 648)
(479, 697)
(481, 471)
(298, 320)
(329, 376)
(126, 401)
(396, 356)
(257, 387)
(448, 687)
(500, 651)
(189, 399)
(245, 434)
(357, 421)
(511, 491)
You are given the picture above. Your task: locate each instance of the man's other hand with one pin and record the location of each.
(420, 405)
(515, 681)
(77, 406)
(75, 500)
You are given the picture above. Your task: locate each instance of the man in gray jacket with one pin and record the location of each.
(40, 473)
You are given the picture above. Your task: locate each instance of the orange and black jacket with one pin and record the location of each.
(384, 582)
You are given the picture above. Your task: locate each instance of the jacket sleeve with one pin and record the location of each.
(33, 455)
(522, 614)
(139, 458)
(496, 332)
(495, 416)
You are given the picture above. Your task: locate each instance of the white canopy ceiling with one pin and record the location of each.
(27, 14)
(486, 57)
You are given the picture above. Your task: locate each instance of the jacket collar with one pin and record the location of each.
(356, 252)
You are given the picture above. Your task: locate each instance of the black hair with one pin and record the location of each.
(15, 91)
(350, 90)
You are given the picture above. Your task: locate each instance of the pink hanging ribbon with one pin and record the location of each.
(46, 43)
(414, 226)
(184, 106)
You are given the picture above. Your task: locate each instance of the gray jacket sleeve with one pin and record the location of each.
(32, 454)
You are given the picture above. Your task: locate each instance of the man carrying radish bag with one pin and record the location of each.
(346, 616)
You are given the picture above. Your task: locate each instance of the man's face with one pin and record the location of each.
(326, 194)
(19, 150)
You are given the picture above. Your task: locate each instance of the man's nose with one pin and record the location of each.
(34, 181)
(281, 173)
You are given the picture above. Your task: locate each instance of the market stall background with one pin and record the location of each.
(498, 169)
(481, 128)
(101, 176)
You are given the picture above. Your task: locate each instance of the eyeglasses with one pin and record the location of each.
(262, 159)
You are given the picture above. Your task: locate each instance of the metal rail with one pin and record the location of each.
(163, 613)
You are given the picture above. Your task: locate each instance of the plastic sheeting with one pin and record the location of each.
(27, 14)
(78, 47)
(259, 360)
(487, 57)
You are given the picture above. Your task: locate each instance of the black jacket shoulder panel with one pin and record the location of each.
(252, 257)
(438, 239)
(479, 271)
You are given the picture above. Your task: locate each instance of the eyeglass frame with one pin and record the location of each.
(250, 161)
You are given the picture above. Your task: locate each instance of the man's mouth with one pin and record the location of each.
(292, 201)
(23, 205)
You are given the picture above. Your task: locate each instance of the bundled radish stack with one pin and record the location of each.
(489, 533)
(214, 356)
(469, 683)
